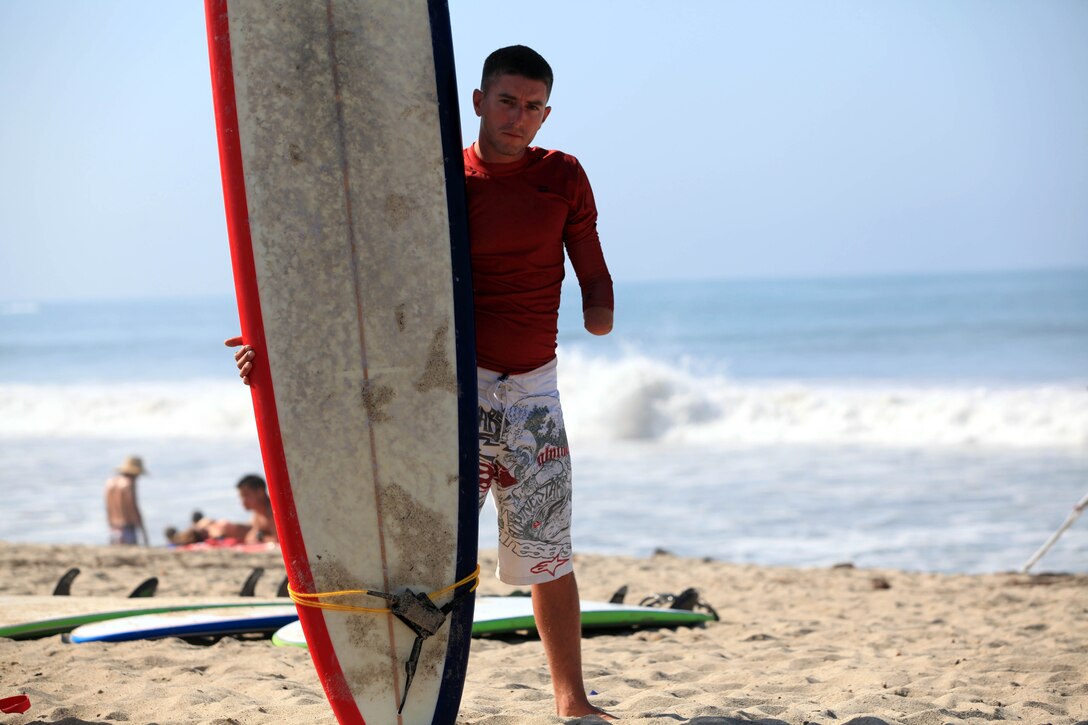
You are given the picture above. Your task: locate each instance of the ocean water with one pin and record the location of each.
(935, 423)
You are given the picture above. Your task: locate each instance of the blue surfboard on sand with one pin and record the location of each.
(189, 623)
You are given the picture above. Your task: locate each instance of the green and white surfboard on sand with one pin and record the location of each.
(507, 615)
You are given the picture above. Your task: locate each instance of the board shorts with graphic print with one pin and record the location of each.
(525, 464)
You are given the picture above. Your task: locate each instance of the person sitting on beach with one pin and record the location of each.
(262, 529)
(223, 531)
(122, 511)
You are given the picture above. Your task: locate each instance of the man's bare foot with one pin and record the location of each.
(587, 711)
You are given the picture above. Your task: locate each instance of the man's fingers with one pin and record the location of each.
(243, 356)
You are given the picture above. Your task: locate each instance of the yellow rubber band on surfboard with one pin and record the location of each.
(314, 599)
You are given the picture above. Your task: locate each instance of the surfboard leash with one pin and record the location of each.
(314, 599)
(415, 609)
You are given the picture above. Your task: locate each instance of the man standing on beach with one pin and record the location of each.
(122, 510)
(527, 206)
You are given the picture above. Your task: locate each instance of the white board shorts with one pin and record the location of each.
(525, 464)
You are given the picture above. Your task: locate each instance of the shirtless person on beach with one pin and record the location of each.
(254, 495)
(261, 528)
(527, 207)
(122, 510)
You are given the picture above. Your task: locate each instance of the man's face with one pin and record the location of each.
(251, 498)
(511, 112)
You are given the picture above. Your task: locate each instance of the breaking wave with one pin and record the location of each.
(633, 399)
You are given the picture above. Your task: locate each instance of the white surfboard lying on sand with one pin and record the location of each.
(32, 617)
(210, 622)
(505, 615)
(340, 149)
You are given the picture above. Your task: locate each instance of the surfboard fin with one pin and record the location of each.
(146, 588)
(249, 588)
(64, 584)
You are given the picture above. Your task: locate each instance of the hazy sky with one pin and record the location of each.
(723, 139)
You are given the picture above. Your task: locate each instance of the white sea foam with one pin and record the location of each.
(641, 399)
(634, 399)
(200, 410)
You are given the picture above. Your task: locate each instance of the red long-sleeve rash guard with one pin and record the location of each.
(522, 216)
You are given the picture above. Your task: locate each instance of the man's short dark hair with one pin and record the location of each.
(252, 481)
(517, 60)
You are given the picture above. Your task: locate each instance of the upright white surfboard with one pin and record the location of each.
(341, 156)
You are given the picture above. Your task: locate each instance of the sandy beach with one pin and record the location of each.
(835, 645)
